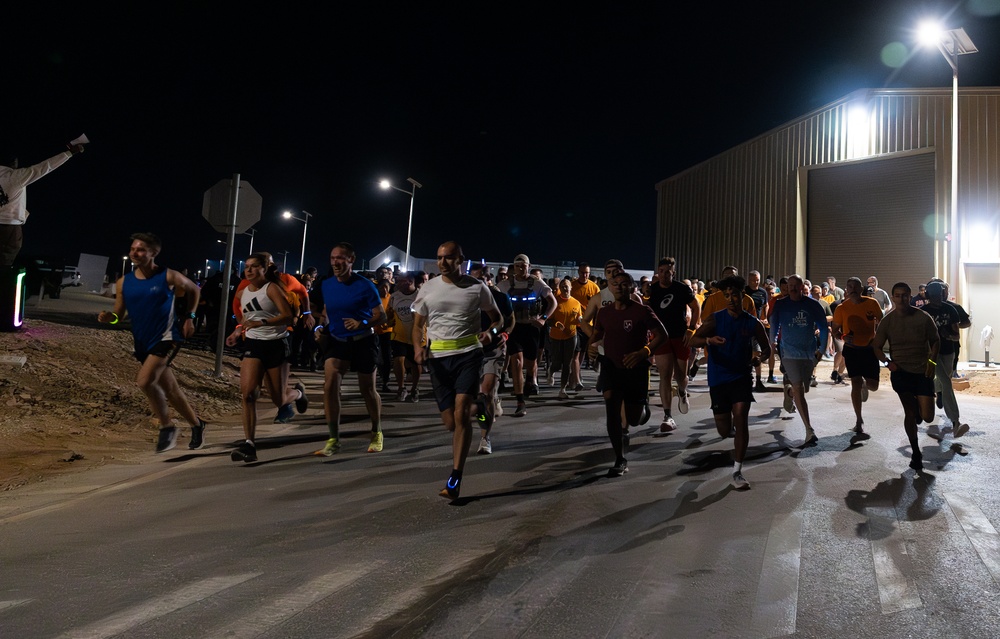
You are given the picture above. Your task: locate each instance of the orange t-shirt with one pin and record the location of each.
(858, 320)
(568, 312)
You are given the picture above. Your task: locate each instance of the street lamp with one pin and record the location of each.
(951, 43)
(386, 184)
(305, 227)
(284, 261)
(124, 259)
(251, 233)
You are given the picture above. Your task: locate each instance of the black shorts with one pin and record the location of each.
(361, 353)
(399, 349)
(861, 362)
(727, 394)
(272, 353)
(524, 339)
(455, 375)
(916, 384)
(631, 383)
(166, 349)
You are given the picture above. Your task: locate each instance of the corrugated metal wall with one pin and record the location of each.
(743, 206)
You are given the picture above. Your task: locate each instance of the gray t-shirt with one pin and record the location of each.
(910, 338)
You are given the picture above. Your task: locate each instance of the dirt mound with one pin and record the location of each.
(74, 403)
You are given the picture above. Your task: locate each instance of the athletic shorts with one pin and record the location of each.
(524, 339)
(675, 347)
(916, 384)
(455, 375)
(493, 362)
(401, 349)
(631, 383)
(798, 371)
(724, 396)
(272, 353)
(166, 349)
(361, 353)
(861, 362)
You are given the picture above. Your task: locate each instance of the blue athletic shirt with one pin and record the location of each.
(797, 322)
(731, 361)
(352, 299)
(150, 304)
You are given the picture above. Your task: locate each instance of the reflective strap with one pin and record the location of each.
(454, 344)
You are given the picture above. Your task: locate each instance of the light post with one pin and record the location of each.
(951, 43)
(305, 227)
(284, 261)
(124, 259)
(386, 184)
(251, 233)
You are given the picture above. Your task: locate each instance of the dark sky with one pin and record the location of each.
(537, 129)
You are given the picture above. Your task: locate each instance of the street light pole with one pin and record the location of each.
(386, 184)
(251, 233)
(952, 43)
(305, 227)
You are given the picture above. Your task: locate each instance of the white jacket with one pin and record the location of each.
(14, 181)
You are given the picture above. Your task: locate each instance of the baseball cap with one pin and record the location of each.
(521, 257)
(476, 266)
(613, 262)
(935, 289)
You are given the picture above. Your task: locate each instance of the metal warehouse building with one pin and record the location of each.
(859, 187)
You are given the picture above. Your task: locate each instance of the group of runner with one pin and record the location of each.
(467, 330)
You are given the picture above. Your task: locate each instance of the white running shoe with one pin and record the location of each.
(485, 446)
(682, 403)
(739, 482)
(668, 424)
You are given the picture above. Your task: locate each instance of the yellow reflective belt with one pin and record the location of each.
(454, 344)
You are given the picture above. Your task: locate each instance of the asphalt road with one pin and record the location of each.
(836, 540)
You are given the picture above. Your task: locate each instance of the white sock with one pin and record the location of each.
(738, 467)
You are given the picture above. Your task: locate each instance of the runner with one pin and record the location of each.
(947, 320)
(729, 335)
(488, 405)
(449, 307)
(563, 344)
(147, 295)
(400, 317)
(855, 321)
(670, 300)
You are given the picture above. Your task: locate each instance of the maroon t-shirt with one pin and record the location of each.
(625, 330)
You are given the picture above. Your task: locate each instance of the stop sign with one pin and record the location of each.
(217, 206)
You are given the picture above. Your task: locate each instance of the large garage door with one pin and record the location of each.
(872, 218)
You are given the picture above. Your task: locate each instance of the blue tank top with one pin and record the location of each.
(731, 361)
(150, 304)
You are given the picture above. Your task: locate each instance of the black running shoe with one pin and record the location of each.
(619, 469)
(167, 439)
(197, 435)
(530, 389)
(302, 403)
(917, 462)
(451, 487)
(940, 400)
(247, 452)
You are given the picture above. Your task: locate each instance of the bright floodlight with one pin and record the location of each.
(385, 184)
(287, 215)
(930, 33)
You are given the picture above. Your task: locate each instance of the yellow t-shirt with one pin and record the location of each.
(568, 312)
(717, 302)
(583, 292)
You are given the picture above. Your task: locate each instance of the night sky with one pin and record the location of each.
(533, 128)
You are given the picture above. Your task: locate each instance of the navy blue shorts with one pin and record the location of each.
(727, 394)
(916, 384)
(455, 375)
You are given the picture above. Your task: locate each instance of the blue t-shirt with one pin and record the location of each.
(731, 361)
(150, 304)
(353, 299)
(797, 322)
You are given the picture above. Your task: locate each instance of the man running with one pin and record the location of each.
(147, 295)
(351, 309)
(730, 335)
(855, 321)
(796, 318)
(401, 318)
(670, 300)
(624, 328)
(947, 320)
(449, 307)
(913, 346)
(488, 406)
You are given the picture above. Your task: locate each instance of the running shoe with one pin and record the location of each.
(563, 394)
(376, 445)
(619, 469)
(485, 446)
(332, 447)
(682, 403)
(789, 404)
(939, 400)
(550, 379)
(693, 372)
(864, 392)
(498, 411)
(960, 430)
(644, 417)
(812, 382)
(197, 435)
(739, 482)
(917, 461)
(811, 440)
(401, 395)
(933, 430)
(414, 396)
(667, 424)
(834, 375)
(759, 387)
(771, 380)
(451, 488)
(285, 414)
(167, 439)
(302, 403)
(246, 452)
(530, 388)
(860, 435)
(521, 410)
(579, 387)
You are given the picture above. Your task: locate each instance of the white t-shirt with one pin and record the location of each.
(453, 313)
(258, 306)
